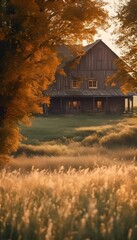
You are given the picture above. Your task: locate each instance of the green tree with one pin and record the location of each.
(29, 33)
(126, 35)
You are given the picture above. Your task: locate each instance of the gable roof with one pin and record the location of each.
(70, 53)
(90, 46)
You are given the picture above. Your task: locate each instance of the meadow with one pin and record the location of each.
(82, 140)
(73, 178)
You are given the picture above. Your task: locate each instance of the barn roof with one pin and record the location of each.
(85, 93)
(70, 53)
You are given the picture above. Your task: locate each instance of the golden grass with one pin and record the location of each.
(119, 143)
(75, 190)
(75, 155)
(123, 134)
(98, 204)
(94, 128)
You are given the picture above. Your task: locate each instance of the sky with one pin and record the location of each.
(107, 36)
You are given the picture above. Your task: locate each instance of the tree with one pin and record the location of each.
(29, 33)
(126, 34)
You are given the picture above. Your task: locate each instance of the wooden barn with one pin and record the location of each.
(83, 89)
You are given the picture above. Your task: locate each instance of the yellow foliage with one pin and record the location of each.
(10, 137)
(28, 60)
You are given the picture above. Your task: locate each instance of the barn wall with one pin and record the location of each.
(116, 105)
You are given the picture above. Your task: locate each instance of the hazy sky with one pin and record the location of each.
(107, 36)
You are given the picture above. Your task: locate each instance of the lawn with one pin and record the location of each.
(66, 126)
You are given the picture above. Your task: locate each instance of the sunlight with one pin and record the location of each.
(83, 201)
(96, 128)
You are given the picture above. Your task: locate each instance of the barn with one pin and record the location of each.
(83, 88)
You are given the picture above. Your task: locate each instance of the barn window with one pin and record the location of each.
(75, 83)
(92, 84)
(74, 104)
(99, 104)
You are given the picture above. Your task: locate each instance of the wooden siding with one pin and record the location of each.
(97, 63)
(116, 105)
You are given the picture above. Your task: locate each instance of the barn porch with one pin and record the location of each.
(76, 105)
(104, 101)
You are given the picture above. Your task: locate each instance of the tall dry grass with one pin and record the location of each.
(77, 190)
(104, 146)
(76, 205)
(75, 156)
(109, 136)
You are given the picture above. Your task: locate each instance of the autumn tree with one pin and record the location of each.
(126, 35)
(29, 33)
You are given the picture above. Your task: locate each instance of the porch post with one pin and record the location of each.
(93, 104)
(45, 109)
(107, 105)
(132, 106)
(128, 105)
(60, 105)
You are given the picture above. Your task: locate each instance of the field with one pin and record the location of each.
(75, 141)
(73, 178)
(67, 126)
